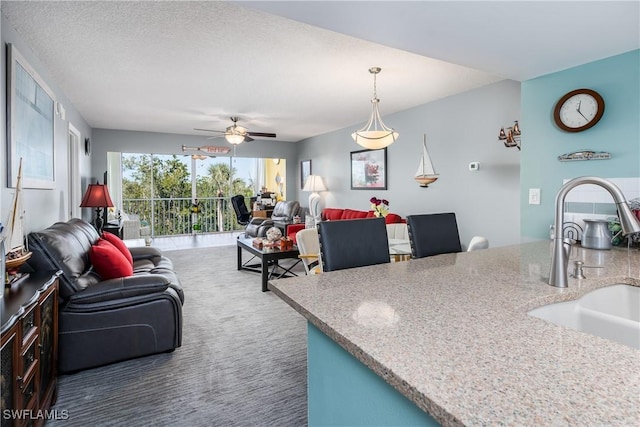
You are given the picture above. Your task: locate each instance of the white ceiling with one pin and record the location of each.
(300, 68)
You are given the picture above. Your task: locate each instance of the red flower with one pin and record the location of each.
(380, 207)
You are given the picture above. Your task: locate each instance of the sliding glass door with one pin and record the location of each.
(177, 195)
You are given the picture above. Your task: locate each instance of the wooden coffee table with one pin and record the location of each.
(268, 265)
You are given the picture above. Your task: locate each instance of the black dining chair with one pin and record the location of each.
(353, 243)
(433, 234)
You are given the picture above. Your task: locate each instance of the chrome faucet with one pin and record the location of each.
(562, 246)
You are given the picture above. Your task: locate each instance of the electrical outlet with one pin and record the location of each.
(534, 196)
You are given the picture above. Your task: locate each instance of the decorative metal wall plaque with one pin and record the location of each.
(584, 155)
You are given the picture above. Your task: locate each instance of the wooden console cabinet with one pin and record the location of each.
(29, 349)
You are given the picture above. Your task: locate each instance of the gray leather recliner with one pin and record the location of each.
(106, 321)
(283, 214)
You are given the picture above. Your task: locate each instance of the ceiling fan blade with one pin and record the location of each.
(247, 138)
(262, 134)
(210, 130)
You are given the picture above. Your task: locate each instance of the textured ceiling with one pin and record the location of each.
(174, 66)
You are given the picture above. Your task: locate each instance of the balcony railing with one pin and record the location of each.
(171, 217)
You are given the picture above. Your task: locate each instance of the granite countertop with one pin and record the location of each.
(452, 333)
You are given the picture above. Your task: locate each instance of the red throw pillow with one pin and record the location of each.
(118, 243)
(371, 214)
(332, 214)
(392, 218)
(108, 261)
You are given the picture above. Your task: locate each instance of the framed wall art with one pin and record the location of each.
(369, 169)
(31, 117)
(305, 171)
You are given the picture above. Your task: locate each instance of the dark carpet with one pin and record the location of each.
(242, 361)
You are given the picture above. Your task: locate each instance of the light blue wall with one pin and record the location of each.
(460, 129)
(617, 79)
(42, 207)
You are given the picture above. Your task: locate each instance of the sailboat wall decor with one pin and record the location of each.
(16, 252)
(425, 174)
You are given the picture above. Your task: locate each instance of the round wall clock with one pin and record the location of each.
(578, 110)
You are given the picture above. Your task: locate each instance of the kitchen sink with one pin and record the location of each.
(612, 312)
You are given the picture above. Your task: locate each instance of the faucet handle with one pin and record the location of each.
(577, 270)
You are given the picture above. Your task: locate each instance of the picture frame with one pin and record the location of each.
(305, 171)
(30, 125)
(369, 169)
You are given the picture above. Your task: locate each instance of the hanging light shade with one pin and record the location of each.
(234, 138)
(375, 135)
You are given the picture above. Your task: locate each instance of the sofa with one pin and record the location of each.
(335, 214)
(103, 321)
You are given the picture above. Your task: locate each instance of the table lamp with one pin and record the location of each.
(97, 196)
(315, 184)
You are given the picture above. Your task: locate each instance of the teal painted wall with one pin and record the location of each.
(617, 79)
(344, 392)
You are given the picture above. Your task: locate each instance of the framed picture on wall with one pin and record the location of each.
(31, 116)
(305, 171)
(369, 169)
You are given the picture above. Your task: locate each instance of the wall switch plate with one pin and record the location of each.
(534, 196)
(474, 166)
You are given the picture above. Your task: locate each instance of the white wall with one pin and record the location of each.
(42, 207)
(460, 129)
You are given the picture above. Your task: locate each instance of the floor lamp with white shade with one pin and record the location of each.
(315, 184)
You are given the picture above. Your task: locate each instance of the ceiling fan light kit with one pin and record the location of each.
(234, 139)
(375, 135)
(235, 134)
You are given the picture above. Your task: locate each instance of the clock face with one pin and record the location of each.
(579, 110)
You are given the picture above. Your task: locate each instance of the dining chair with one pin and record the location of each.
(477, 243)
(398, 231)
(353, 243)
(433, 234)
(399, 247)
(309, 248)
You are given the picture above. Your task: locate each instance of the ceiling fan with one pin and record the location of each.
(235, 134)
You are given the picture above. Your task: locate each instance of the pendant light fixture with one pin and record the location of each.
(375, 135)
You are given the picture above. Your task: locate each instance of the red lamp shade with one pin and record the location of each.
(97, 196)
